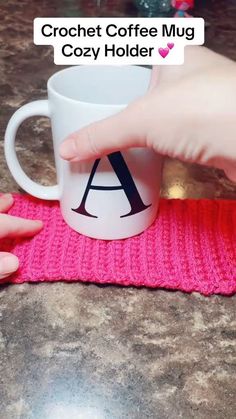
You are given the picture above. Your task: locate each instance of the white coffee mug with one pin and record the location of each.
(114, 197)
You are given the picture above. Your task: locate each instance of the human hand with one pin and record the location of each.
(11, 226)
(189, 112)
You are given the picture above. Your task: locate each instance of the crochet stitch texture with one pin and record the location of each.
(190, 247)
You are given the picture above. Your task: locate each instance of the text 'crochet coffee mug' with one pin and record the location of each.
(114, 197)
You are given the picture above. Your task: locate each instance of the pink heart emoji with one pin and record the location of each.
(170, 45)
(163, 52)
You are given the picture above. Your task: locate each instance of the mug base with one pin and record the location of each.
(131, 231)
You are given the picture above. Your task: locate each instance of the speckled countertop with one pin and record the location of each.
(76, 351)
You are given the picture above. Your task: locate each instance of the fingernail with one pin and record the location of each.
(8, 264)
(68, 149)
(39, 222)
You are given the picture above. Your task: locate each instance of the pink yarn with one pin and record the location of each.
(190, 247)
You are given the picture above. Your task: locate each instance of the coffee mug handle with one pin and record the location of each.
(39, 107)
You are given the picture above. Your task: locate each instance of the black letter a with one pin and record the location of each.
(127, 184)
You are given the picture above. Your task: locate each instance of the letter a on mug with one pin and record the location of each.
(127, 184)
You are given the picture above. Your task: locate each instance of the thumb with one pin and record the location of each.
(8, 264)
(123, 130)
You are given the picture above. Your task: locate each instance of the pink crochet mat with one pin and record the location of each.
(190, 247)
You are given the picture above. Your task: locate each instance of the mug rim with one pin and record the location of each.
(71, 68)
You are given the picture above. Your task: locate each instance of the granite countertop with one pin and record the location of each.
(95, 352)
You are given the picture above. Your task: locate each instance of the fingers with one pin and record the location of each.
(118, 132)
(123, 130)
(11, 226)
(8, 264)
(6, 201)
